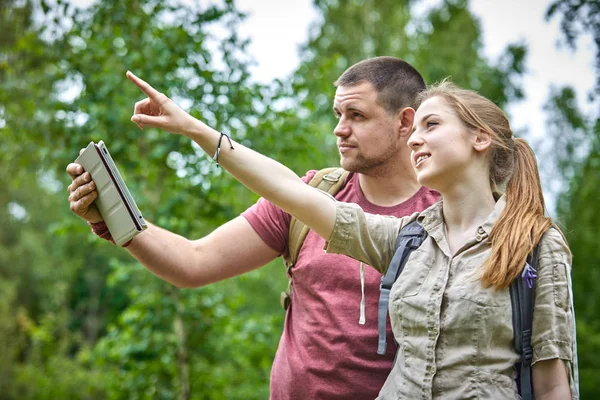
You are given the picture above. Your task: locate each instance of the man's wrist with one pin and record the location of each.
(101, 230)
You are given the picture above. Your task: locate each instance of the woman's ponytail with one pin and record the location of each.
(521, 224)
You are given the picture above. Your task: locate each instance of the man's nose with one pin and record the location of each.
(342, 129)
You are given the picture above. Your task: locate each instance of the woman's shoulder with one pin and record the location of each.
(354, 221)
(553, 244)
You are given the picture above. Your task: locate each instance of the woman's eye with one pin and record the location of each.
(429, 124)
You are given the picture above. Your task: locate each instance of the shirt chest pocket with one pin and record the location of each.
(470, 287)
(413, 276)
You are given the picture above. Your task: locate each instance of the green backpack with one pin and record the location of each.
(329, 180)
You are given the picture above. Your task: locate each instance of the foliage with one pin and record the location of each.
(579, 17)
(79, 322)
(442, 41)
(576, 137)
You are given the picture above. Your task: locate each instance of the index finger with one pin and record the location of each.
(74, 170)
(144, 86)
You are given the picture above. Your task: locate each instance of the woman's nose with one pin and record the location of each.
(414, 141)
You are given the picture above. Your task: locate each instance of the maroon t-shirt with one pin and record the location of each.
(324, 353)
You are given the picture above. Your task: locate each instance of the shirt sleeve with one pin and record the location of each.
(552, 333)
(365, 237)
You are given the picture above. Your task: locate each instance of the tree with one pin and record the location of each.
(578, 17)
(98, 321)
(576, 142)
(444, 41)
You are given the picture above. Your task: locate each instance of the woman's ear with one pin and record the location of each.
(404, 121)
(482, 140)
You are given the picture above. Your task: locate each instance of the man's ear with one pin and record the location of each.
(482, 140)
(405, 119)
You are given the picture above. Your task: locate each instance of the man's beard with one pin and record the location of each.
(368, 166)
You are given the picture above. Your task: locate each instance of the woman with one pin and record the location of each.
(450, 310)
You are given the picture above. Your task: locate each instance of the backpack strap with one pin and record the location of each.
(522, 296)
(329, 180)
(409, 239)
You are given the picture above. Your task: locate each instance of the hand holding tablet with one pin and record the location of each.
(114, 201)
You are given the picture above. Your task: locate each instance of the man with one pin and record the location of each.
(328, 347)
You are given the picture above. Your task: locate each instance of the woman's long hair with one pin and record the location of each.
(512, 165)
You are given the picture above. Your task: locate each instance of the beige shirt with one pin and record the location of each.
(455, 337)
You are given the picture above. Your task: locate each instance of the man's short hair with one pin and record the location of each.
(397, 82)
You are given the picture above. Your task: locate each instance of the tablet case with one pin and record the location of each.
(116, 205)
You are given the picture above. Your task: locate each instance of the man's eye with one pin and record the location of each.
(358, 116)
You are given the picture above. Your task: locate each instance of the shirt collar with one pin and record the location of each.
(432, 217)
(495, 215)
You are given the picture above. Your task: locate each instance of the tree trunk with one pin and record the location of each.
(182, 357)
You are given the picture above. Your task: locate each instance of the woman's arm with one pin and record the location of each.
(552, 334)
(551, 380)
(262, 175)
(369, 238)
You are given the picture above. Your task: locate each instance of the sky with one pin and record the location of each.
(278, 28)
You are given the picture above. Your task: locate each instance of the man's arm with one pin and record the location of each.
(230, 250)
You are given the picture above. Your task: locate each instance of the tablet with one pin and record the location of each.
(116, 205)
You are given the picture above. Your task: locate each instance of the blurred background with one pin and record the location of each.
(80, 319)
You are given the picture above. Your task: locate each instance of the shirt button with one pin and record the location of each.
(480, 230)
(479, 238)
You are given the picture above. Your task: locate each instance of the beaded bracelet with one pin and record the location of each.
(216, 156)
